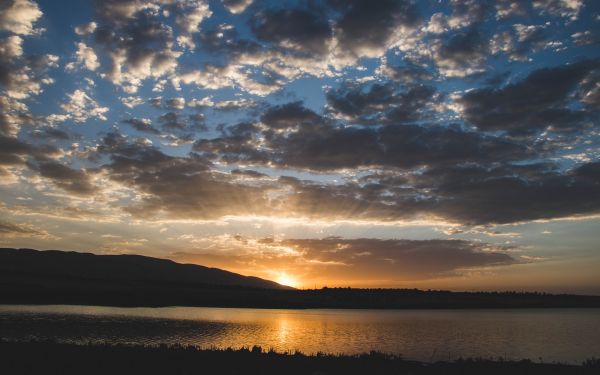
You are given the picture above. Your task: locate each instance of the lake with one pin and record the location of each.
(565, 335)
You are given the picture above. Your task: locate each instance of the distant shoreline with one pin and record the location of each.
(192, 295)
(157, 306)
(37, 357)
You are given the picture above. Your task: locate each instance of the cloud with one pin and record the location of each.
(137, 44)
(87, 57)
(13, 114)
(72, 180)
(143, 125)
(563, 8)
(177, 186)
(365, 30)
(14, 151)
(462, 54)
(236, 6)
(214, 77)
(132, 101)
(305, 30)
(380, 103)
(175, 103)
(12, 230)
(18, 16)
(355, 260)
(314, 143)
(510, 8)
(538, 102)
(189, 14)
(80, 108)
(86, 29)
(51, 132)
(23, 76)
(11, 48)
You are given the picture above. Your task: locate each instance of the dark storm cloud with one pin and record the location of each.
(479, 195)
(248, 173)
(461, 53)
(306, 30)
(471, 195)
(14, 151)
(172, 120)
(69, 179)
(317, 144)
(290, 115)
(143, 125)
(539, 101)
(381, 103)
(404, 258)
(364, 26)
(180, 187)
(51, 133)
(176, 121)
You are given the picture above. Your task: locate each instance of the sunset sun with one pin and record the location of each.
(284, 278)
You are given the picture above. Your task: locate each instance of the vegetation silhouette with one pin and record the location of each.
(55, 277)
(63, 358)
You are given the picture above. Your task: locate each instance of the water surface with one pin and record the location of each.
(566, 335)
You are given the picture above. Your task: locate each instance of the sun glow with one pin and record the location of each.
(285, 279)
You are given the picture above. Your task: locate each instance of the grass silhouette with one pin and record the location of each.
(47, 357)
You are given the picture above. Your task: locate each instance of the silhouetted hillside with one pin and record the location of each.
(55, 267)
(55, 277)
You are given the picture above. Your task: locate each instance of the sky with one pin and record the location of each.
(432, 144)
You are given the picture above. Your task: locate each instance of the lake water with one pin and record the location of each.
(566, 335)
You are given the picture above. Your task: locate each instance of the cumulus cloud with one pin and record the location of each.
(19, 16)
(132, 101)
(87, 57)
(80, 108)
(23, 76)
(236, 6)
(510, 8)
(86, 29)
(563, 8)
(189, 14)
(137, 44)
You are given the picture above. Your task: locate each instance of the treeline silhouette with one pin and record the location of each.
(65, 359)
(43, 277)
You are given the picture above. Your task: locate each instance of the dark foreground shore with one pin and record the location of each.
(54, 358)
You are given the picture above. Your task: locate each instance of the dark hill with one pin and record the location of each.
(55, 267)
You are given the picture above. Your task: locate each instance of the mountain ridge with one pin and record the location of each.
(57, 264)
